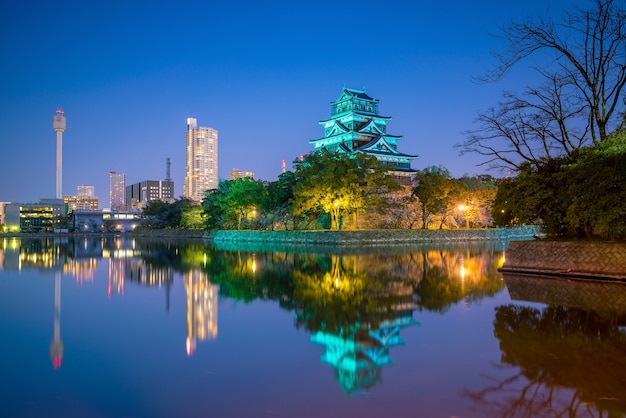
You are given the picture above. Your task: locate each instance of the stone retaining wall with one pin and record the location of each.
(372, 237)
(169, 233)
(568, 258)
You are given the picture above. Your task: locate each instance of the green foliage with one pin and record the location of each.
(338, 183)
(234, 204)
(159, 214)
(579, 196)
(477, 195)
(276, 205)
(438, 193)
(192, 217)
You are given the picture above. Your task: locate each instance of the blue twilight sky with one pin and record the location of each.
(129, 73)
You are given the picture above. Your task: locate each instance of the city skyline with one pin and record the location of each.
(262, 75)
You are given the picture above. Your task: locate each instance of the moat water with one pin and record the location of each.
(115, 327)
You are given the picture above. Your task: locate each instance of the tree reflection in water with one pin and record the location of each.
(569, 361)
(356, 304)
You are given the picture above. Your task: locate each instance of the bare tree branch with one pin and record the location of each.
(583, 60)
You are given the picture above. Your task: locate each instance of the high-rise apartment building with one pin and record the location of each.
(201, 161)
(116, 190)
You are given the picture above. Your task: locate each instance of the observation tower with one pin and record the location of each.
(58, 124)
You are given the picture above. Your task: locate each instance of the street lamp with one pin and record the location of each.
(463, 209)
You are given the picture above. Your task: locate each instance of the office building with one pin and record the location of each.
(80, 203)
(201, 161)
(45, 216)
(138, 195)
(85, 199)
(116, 190)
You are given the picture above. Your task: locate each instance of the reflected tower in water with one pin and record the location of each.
(358, 344)
(201, 308)
(56, 348)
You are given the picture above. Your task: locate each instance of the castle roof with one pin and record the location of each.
(359, 94)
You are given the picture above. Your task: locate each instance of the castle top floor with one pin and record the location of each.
(352, 100)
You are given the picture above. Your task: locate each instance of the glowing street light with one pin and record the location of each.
(463, 209)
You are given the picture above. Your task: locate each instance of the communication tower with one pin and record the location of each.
(58, 124)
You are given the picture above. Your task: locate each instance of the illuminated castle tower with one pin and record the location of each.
(56, 348)
(58, 124)
(355, 125)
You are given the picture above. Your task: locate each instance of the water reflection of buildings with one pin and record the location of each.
(202, 300)
(140, 271)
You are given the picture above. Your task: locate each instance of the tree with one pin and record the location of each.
(478, 193)
(437, 192)
(578, 196)
(234, 202)
(161, 214)
(537, 195)
(192, 217)
(405, 210)
(336, 182)
(583, 62)
(597, 187)
(278, 200)
(212, 207)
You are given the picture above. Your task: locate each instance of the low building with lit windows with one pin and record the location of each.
(80, 203)
(103, 221)
(45, 216)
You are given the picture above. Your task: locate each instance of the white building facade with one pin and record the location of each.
(201, 161)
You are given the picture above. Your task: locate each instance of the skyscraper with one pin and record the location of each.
(116, 190)
(201, 160)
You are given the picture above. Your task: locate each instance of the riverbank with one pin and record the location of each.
(371, 237)
(319, 237)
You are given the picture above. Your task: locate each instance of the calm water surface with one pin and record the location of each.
(126, 328)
